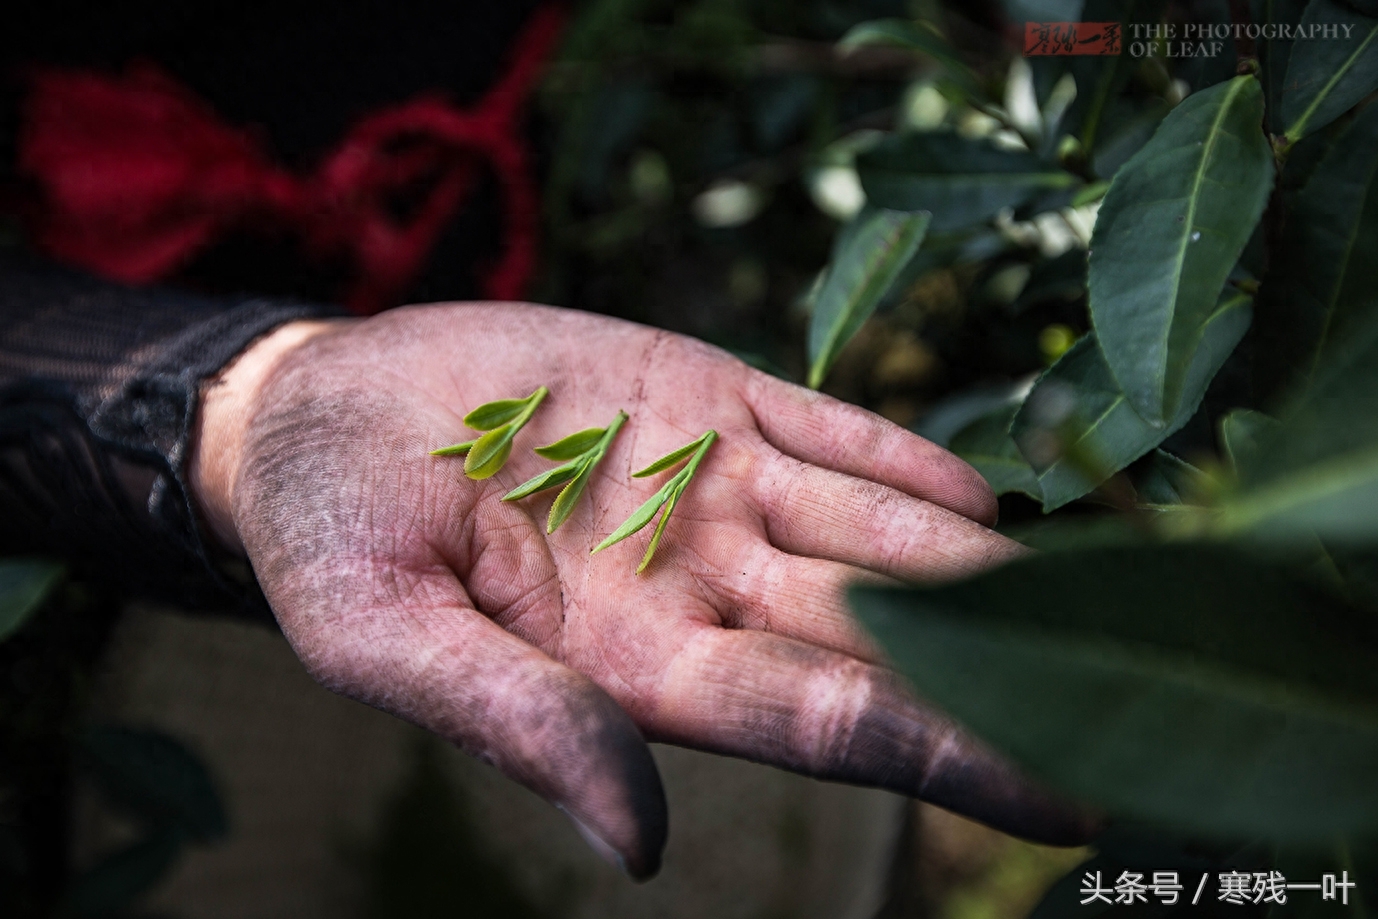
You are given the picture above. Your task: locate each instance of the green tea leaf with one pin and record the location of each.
(1324, 271)
(960, 181)
(574, 445)
(1174, 222)
(639, 518)
(659, 530)
(575, 474)
(1169, 480)
(1326, 77)
(548, 479)
(1186, 685)
(668, 495)
(880, 243)
(455, 449)
(492, 414)
(24, 584)
(1315, 473)
(490, 452)
(987, 445)
(670, 459)
(564, 502)
(1077, 427)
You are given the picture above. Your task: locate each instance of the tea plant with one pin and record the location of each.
(1197, 649)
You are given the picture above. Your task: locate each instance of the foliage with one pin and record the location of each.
(868, 259)
(1197, 648)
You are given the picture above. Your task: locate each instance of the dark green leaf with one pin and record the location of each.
(1060, 278)
(1325, 77)
(1239, 432)
(1174, 222)
(1186, 685)
(986, 444)
(1068, 532)
(1325, 270)
(1357, 569)
(1316, 472)
(489, 453)
(951, 415)
(1101, 79)
(548, 479)
(782, 106)
(1273, 53)
(155, 778)
(24, 584)
(960, 181)
(574, 445)
(1077, 428)
(1128, 138)
(879, 245)
(1166, 479)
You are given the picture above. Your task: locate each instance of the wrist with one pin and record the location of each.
(228, 405)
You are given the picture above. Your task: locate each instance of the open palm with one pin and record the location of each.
(403, 584)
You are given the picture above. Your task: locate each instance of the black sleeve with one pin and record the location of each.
(98, 394)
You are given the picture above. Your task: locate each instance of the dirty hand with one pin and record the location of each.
(405, 585)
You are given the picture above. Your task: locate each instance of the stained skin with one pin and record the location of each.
(405, 585)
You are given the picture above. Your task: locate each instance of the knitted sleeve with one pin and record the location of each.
(99, 386)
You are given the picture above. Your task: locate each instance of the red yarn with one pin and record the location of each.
(138, 175)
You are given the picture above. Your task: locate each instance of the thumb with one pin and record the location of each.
(435, 661)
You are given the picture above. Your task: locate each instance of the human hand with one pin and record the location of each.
(405, 585)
